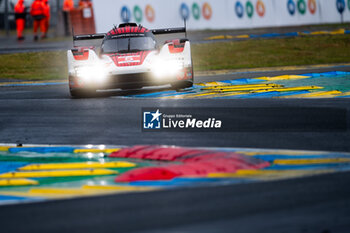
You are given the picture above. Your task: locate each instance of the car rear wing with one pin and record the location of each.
(89, 36)
(169, 30)
(154, 31)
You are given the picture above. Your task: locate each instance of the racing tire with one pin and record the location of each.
(182, 85)
(82, 93)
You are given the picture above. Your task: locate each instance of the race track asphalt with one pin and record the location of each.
(318, 204)
(47, 115)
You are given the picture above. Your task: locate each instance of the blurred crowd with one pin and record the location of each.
(40, 12)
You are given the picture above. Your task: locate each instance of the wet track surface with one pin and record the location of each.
(47, 115)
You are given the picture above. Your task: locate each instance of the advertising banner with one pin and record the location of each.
(219, 14)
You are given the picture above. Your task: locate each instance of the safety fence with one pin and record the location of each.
(220, 14)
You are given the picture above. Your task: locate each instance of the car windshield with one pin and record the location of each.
(131, 44)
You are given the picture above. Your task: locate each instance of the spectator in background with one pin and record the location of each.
(38, 14)
(47, 17)
(68, 5)
(84, 4)
(20, 14)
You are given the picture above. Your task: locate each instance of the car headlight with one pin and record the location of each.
(168, 68)
(92, 74)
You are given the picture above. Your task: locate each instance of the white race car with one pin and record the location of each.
(129, 58)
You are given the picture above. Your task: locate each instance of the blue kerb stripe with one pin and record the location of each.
(197, 86)
(254, 36)
(243, 81)
(42, 149)
(10, 166)
(325, 74)
(183, 181)
(257, 95)
(199, 179)
(15, 198)
(306, 167)
(331, 73)
(271, 158)
(342, 73)
(312, 75)
(291, 34)
(153, 94)
(342, 96)
(180, 93)
(271, 94)
(273, 35)
(294, 93)
(269, 35)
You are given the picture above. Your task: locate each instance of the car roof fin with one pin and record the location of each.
(122, 25)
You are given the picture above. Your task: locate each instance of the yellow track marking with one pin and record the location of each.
(87, 165)
(62, 191)
(71, 192)
(345, 93)
(320, 33)
(230, 91)
(325, 94)
(284, 77)
(86, 190)
(245, 89)
(17, 182)
(268, 174)
(241, 86)
(24, 194)
(117, 188)
(219, 37)
(242, 36)
(283, 89)
(222, 37)
(205, 95)
(310, 161)
(209, 84)
(60, 173)
(4, 148)
(338, 32)
(279, 89)
(108, 151)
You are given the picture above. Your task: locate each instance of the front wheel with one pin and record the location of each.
(182, 85)
(82, 93)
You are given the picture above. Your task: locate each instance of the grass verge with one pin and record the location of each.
(34, 66)
(306, 50)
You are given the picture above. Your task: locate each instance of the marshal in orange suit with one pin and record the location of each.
(20, 13)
